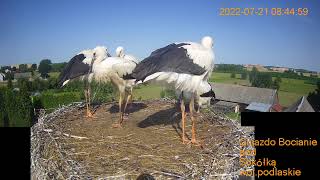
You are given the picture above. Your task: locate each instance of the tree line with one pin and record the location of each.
(44, 68)
(16, 109)
(259, 79)
(20, 102)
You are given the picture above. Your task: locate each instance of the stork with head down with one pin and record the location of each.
(117, 70)
(120, 53)
(81, 66)
(183, 67)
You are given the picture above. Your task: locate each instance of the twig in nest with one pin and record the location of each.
(169, 174)
(116, 176)
(77, 137)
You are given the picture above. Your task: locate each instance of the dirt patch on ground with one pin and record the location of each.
(68, 145)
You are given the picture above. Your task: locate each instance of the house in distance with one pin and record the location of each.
(239, 98)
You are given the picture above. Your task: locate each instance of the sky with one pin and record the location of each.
(41, 29)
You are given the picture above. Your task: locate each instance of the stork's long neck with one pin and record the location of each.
(97, 61)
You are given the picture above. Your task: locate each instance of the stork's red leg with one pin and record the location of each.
(183, 119)
(125, 106)
(117, 125)
(191, 107)
(88, 113)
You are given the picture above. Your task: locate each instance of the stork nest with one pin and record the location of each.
(66, 145)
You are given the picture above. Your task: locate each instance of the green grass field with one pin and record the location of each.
(146, 92)
(225, 78)
(290, 89)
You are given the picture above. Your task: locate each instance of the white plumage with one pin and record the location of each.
(115, 70)
(185, 67)
(98, 65)
(200, 54)
(120, 53)
(204, 87)
(80, 66)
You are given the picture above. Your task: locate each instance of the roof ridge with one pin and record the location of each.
(300, 105)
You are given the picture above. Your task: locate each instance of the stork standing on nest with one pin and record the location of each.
(81, 66)
(117, 70)
(182, 66)
(120, 53)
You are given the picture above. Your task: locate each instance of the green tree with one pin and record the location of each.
(34, 67)
(23, 68)
(314, 98)
(45, 67)
(19, 108)
(244, 75)
(58, 67)
(262, 80)
(278, 79)
(10, 105)
(24, 84)
(233, 75)
(9, 75)
(313, 75)
(9, 85)
(2, 107)
(276, 84)
(228, 68)
(253, 74)
(53, 82)
(25, 110)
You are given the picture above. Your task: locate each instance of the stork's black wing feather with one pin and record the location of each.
(171, 58)
(74, 69)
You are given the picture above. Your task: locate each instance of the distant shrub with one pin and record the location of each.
(51, 99)
(229, 68)
(262, 80)
(75, 85)
(233, 75)
(102, 92)
(58, 67)
(19, 109)
(2, 106)
(314, 98)
(244, 75)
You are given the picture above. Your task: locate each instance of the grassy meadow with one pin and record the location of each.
(290, 89)
(146, 92)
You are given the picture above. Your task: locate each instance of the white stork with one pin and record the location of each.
(182, 66)
(117, 70)
(82, 66)
(120, 53)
